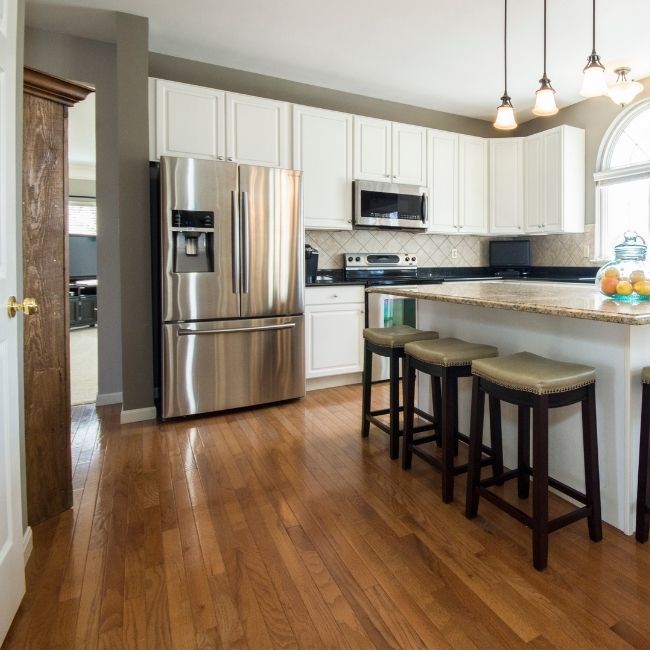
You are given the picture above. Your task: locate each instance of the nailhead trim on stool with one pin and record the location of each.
(445, 361)
(388, 342)
(541, 384)
(643, 489)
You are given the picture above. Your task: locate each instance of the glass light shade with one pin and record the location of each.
(545, 102)
(593, 80)
(623, 92)
(505, 118)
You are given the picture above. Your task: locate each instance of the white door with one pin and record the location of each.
(443, 182)
(409, 154)
(322, 150)
(473, 185)
(552, 174)
(533, 183)
(257, 131)
(372, 149)
(12, 574)
(506, 186)
(189, 121)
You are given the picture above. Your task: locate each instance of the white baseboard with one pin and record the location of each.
(138, 415)
(28, 544)
(104, 399)
(316, 383)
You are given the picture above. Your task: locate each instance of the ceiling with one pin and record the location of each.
(440, 54)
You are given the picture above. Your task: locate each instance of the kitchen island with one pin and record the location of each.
(567, 322)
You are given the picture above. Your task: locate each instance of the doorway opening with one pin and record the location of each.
(82, 247)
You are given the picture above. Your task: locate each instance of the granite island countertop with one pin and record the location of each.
(568, 300)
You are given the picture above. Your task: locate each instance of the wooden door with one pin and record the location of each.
(12, 574)
(45, 278)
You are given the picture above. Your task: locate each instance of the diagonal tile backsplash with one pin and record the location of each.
(435, 250)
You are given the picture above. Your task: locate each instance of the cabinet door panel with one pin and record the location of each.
(409, 154)
(473, 189)
(322, 149)
(257, 131)
(506, 186)
(372, 149)
(552, 170)
(443, 182)
(189, 120)
(334, 337)
(533, 186)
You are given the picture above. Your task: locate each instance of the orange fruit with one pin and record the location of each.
(611, 272)
(624, 288)
(608, 285)
(642, 288)
(637, 276)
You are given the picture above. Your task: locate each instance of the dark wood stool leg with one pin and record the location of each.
(496, 437)
(523, 451)
(408, 379)
(475, 443)
(454, 413)
(643, 488)
(592, 477)
(436, 398)
(394, 403)
(540, 482)
(365, 395)
(449, 426)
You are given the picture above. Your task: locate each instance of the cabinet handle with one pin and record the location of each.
(335, 295)
(230, 158)
(349, 220)
(219, 157)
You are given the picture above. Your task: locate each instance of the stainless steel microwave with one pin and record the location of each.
(389, 205)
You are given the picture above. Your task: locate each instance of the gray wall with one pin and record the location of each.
(135, 235)
(249, 83)
(594, 115)
(82, 187)
(92, 62)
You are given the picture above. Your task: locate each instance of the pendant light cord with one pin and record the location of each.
(544, 75)
(593, 28)
(505, 47)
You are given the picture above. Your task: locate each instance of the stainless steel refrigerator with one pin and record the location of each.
(232, 286)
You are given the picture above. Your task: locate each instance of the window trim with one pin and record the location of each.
(604, 175)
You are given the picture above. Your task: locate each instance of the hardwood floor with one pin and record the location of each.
(280, 527)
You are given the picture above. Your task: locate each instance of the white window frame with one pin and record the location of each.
(605, 175)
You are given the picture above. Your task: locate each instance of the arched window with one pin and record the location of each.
(623, 178)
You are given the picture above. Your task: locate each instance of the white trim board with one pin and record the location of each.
(138, 415)
(28, 544)
(104, 399)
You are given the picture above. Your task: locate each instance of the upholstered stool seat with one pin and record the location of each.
(643, 487)
(388, 342)
(445, 361)
(533, 382)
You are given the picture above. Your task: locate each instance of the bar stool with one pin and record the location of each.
(388, 342)
(530, 381)
(643, 489)
(445, 361)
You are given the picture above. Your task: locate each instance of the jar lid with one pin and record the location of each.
(633, 248)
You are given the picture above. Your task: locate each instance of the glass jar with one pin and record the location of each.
(627, 276)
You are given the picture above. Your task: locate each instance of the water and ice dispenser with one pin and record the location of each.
(193, 241)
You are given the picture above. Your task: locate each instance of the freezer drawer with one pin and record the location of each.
(219, 365)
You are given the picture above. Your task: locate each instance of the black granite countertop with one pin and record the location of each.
(436, 275)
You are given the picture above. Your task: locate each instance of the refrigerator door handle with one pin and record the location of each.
(235, 242)
(236, 330)
(245, 227)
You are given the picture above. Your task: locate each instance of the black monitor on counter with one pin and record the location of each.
(510, 253)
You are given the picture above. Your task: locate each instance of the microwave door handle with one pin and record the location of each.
(235, 242)
(424, 207)
(245, 233)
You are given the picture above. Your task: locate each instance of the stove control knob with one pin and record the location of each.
(357, 259)
(408, 259)
(349, 259)
(413, 259)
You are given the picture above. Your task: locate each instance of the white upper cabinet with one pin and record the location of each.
(322, 149)
(409, 154)
(472, 185)
(189, 121)
(257, 131)
(555, 181)
(506, 186)
(372, 149)
(443, 181)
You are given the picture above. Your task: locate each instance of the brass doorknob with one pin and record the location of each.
(28, 306)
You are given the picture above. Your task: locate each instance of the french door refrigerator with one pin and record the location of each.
(232, 286)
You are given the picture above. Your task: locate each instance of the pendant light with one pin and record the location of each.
(624, 91)
(545, 94)
(593, 80)
(505, 119)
